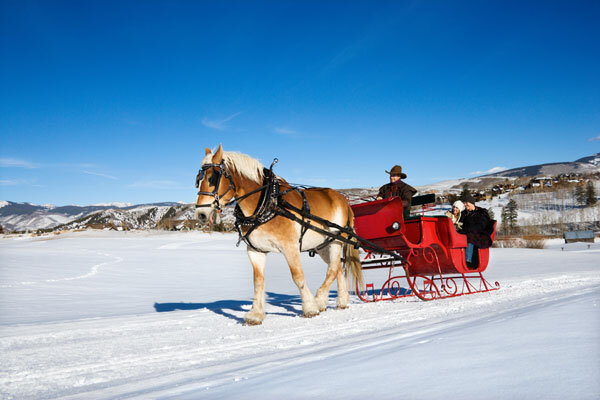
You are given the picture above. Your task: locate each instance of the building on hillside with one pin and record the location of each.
(579, 236)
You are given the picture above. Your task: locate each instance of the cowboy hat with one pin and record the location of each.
(397, 170)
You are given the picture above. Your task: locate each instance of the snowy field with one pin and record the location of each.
(159, 315)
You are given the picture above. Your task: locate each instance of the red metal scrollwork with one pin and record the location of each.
(425, 287)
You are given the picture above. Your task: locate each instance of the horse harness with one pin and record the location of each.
(271, 204)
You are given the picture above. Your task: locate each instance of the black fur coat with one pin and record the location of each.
(478, 226)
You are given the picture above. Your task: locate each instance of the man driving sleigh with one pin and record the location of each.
(397, 188)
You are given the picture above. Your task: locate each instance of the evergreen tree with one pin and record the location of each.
(509, 217)
(579, 195)
(590, 194)
(504, 228)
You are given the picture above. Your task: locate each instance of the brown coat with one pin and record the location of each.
(398, 189)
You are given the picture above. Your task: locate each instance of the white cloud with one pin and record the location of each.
(489, 171)
(285, 131)
(19, 182)
(18, 163)
(595, 139)
(101, 175)
(219, 125)
(72, 165)
(13, 162)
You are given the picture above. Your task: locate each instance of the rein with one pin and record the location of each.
(272, 204)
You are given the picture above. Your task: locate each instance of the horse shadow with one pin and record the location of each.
(291, 304)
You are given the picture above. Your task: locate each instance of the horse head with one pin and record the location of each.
(215, 187)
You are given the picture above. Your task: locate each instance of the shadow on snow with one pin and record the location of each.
(292, 304)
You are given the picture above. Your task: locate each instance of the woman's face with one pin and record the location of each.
(455, 210)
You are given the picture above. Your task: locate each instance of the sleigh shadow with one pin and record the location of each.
(292, 304)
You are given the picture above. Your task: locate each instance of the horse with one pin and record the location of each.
(228, 176)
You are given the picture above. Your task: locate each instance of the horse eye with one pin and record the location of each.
(214, 178)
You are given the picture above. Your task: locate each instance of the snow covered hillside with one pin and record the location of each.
(27, 216)
(557, 209)
(150, 314)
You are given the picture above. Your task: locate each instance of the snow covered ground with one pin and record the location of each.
(159, 315)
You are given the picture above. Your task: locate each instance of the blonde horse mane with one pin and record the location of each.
(243, 164)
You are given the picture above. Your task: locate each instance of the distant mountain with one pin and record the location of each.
(147, 216)
(585, 165)
(593, 159)
(27, 216)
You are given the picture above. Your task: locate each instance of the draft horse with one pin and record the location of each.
(231, 176)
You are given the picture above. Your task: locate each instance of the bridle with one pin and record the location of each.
(219, 170)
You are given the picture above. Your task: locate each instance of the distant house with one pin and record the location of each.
(579, 236)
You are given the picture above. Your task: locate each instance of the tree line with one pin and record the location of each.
(585, 195)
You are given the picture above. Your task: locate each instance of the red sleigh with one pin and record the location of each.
(434, 265)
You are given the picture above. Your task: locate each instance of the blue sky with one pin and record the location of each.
(104, 101)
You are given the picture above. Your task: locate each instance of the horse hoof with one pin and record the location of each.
(323, 307)
(340, 307)
(253, 319)
(310, 314)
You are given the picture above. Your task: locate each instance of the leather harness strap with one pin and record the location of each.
(264, 212)
(272, 204)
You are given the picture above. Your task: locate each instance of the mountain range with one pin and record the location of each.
(583, 166)
(26, 216)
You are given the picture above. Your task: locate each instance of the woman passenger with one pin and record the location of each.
(457, 208)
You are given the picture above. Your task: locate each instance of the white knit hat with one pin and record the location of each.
(459, 204)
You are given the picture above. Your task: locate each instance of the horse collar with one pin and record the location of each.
(266, 209)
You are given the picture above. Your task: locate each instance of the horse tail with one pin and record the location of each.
(352, 257)
(353, 266)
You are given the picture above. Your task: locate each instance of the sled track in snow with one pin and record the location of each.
(163, 355)
(93, 271)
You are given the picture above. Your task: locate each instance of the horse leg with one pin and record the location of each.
(343, 298)
(332, 256)
(309, 305)
(256, 315)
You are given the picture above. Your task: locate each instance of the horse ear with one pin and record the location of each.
(218, 157)
(207, 151)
